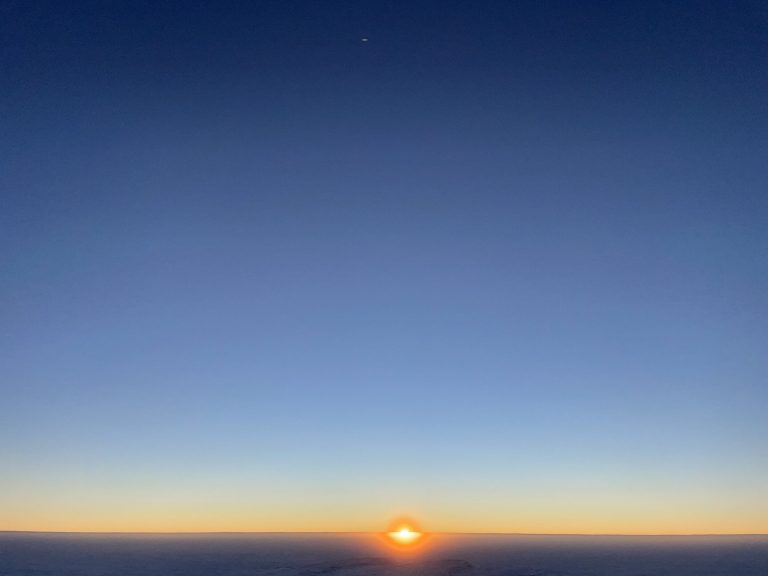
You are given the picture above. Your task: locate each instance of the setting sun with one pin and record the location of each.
(404, 534)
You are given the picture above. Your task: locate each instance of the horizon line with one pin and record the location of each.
(372, 532)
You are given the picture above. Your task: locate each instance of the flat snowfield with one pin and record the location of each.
(43, 554)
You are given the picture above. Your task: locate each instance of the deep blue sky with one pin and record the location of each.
(503, 265)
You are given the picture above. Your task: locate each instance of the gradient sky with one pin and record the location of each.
(502, 267)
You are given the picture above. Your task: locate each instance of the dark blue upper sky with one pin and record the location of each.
(503, 249)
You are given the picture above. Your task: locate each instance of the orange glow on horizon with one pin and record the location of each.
(404, 534)
(100, 513)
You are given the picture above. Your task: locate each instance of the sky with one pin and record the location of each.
(501, 267)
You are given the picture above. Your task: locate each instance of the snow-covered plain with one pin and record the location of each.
(36, 554)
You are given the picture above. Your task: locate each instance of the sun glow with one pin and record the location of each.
(404, 535)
